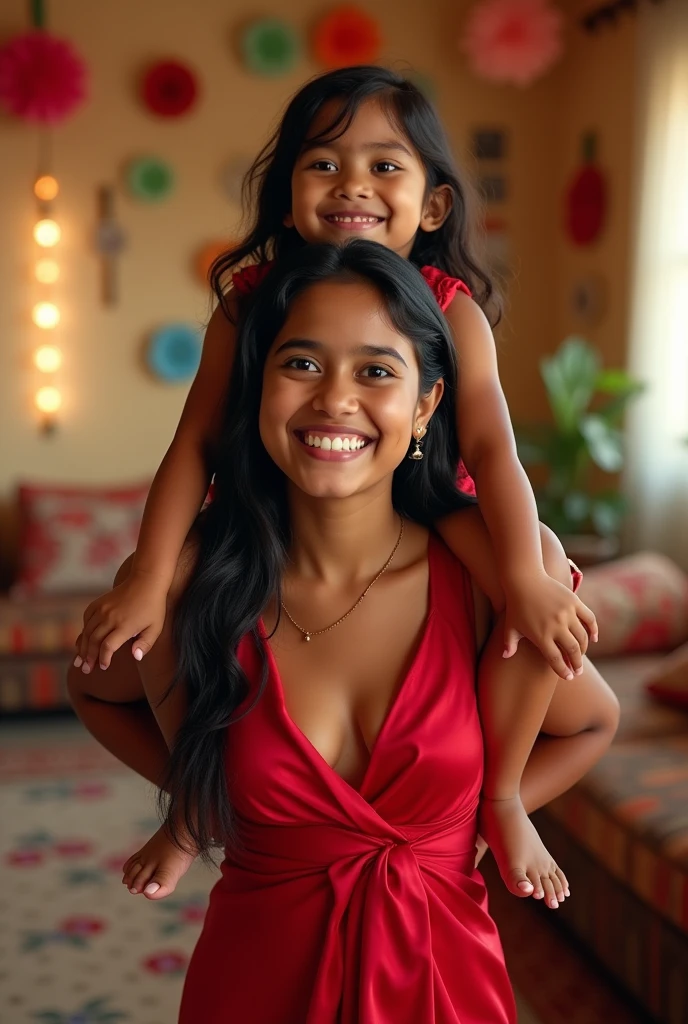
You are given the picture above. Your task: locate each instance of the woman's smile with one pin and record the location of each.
(333, 444)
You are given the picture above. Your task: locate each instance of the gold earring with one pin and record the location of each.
(417, 454)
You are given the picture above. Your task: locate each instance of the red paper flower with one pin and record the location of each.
(169, 88)
(347, 36)
(513, 41)
(42, 78)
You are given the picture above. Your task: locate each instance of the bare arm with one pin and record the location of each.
(136, 607)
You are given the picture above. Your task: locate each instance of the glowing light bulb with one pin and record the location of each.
(47, 233)
(46, 315)
(47, 271)
(48, 399)
(48, 358)
(46, 187)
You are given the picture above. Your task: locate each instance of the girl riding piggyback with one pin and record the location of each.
(361, 153)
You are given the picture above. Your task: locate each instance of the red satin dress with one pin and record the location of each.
(358, 906)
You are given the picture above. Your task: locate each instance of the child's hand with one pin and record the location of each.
(134, 609)
(555, 621)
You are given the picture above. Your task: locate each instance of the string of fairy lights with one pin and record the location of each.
(47, 356)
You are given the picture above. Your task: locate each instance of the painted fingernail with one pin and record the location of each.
(78, 662)
(570, 675)
(151, 888)
(103, 668)
(567, 893)
(525, 886)
(138, 654)
(86, 668)
(134, 891)
(579, 671)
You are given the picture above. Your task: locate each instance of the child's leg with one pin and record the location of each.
(114, 707)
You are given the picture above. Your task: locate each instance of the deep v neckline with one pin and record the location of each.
(320, 762)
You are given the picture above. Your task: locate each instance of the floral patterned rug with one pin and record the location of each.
(77, 948)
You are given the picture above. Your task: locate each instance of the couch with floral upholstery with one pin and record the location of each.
(622, 833)
(59, 546)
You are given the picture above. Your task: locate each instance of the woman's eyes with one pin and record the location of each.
(306, 365)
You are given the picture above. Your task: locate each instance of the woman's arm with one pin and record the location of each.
(136, 607)
(537, 606)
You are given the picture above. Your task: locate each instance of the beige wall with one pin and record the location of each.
(116, 421)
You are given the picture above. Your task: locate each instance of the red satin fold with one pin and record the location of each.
(345, 906)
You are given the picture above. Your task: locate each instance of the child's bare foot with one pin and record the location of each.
(526, 867)
(157, 867)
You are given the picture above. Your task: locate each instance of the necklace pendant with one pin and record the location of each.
(306, 637)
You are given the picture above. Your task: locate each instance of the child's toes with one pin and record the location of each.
(519, 884)
(550, 897)
(559, 892)
(161, 884)
(563, 882)
(141, 878)
(536, 882)
(131, 870)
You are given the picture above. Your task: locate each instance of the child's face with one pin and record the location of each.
(340, 373)
(369, 183)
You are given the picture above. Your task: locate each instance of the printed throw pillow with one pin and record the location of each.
(641, 604)
(73, 539)
(669, 683)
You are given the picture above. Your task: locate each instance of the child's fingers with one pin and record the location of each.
(587, 617)
(144, 641)
(95, 640)
(511, 641)
(581, 635)
(112, 642)
(556, 659)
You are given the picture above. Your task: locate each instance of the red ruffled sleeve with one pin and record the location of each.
(248, 278)
(443, 286)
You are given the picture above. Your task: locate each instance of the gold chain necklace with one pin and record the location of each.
(308, 633)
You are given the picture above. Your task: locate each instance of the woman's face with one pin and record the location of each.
(340, 392)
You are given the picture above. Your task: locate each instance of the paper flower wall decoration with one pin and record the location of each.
(346, 36)
(42, 78)
(174, 353)
(513, 41)
(169, 88)
(206, 256)
(270, 47)
(149, 178)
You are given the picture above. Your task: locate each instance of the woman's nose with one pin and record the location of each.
(335, 395)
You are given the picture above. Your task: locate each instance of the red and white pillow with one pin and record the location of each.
(73, 539)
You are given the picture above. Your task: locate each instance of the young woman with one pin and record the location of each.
(318, 698)
(361, 153)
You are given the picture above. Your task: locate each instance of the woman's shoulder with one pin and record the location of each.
(444, 286)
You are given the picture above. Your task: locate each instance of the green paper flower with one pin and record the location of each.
(270, 47)
(150, 179)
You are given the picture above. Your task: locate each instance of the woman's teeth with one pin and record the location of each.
(335, 444)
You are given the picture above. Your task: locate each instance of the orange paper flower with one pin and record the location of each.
(347, 36)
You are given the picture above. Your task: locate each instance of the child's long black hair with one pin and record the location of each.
(267, 187)
(244, 533)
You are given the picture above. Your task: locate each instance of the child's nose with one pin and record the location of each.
(354, 186)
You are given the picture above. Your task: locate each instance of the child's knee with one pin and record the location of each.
(554, 557)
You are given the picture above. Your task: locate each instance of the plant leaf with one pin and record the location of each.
(576, 507)
(605, 443)
(607, 512)
(569, 377)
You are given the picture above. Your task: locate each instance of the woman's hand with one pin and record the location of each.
(133, 609)
(555, 621)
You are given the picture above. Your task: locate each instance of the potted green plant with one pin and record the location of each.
(587, 404)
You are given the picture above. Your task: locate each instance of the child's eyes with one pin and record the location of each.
(323, 165)
(385, 166)
(302, 363)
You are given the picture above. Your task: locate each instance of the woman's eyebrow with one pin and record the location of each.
(363, 350)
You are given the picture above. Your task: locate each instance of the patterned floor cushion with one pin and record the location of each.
(40, 625)
(641, 717)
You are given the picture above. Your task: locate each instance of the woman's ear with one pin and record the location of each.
(288, 220)
(437, 208)
(427, 405)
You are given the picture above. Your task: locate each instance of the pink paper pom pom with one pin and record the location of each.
(513, 41)
(42, 78)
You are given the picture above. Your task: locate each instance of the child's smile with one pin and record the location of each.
(368, 182)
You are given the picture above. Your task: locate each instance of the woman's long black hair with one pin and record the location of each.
(267, 187)
(244, 533)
